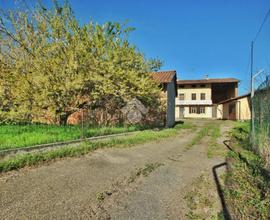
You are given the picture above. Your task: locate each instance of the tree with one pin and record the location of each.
(58, 66)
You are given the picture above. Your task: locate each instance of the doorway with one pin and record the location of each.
(232, 111)
(214, 111)
(181, 112)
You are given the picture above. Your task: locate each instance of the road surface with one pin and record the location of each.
(141, 182)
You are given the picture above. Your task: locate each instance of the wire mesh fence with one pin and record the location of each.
(82, 123)
(260, 91)
(27, 134)
(260, 135)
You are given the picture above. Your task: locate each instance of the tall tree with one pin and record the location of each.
(51, 63)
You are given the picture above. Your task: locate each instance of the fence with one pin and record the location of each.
(260, 132)
(81, 124)
(260, 90)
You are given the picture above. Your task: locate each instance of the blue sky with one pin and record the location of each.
(193, 37)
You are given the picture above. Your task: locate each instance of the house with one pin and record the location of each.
(200, 98)
(237, 108)
(167, 81)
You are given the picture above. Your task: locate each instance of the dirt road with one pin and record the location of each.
(141, 182)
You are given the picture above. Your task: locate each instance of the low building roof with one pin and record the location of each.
(207, 81)
(235, 98)
(164, 76)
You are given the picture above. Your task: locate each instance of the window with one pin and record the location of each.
(193, 96)
(201, 110)
(202, 96)
(192, 110)
(181, 96)
(193, 86)
(181, 86)
(197, 110)
(202, 85)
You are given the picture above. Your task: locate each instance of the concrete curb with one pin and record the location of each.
(4, 153)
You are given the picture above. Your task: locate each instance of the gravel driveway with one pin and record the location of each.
(141, 182)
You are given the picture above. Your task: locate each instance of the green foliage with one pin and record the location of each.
(51, 66)
(29, 159)
(15, 136)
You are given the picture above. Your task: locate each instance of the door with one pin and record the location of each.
(214, 111)
(232, 111)
(181, 112)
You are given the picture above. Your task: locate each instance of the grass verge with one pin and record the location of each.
(29, 159)
(247, 187)
(16, 136)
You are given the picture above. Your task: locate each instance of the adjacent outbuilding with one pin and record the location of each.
(168, 83)
(238, 108)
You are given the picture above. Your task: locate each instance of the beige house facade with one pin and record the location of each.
(201, 98)
(239, 105)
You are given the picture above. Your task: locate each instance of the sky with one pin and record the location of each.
(194, 37)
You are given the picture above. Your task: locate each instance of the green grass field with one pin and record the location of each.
(16, 136)
(34, 158)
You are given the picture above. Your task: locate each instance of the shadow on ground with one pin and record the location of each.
(226, 212)
(215, 168)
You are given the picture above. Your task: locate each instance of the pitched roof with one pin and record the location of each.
(207, 81)
(164, 76)
(235, 98)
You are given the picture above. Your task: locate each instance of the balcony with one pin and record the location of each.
(193, 102)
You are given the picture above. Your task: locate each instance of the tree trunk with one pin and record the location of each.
(63, 119)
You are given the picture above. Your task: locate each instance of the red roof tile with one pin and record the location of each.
(164, 76)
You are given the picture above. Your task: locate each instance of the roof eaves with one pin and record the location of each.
(235, 98)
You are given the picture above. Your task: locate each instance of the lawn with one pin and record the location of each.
(16, 136)
(34, 158)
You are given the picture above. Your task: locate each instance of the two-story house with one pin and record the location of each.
(200, 98)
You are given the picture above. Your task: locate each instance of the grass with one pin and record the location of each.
(100, 197)
(211, 130)
(240, 135)
(247, 187)
(262, 142)
(30, 159)
(247, 190)
(148, 168)
(16, 136)
(201, 134)
(144, 171)
(120, 185)
(214, 148)
(201, 199)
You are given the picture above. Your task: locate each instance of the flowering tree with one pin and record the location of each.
(49, 63)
